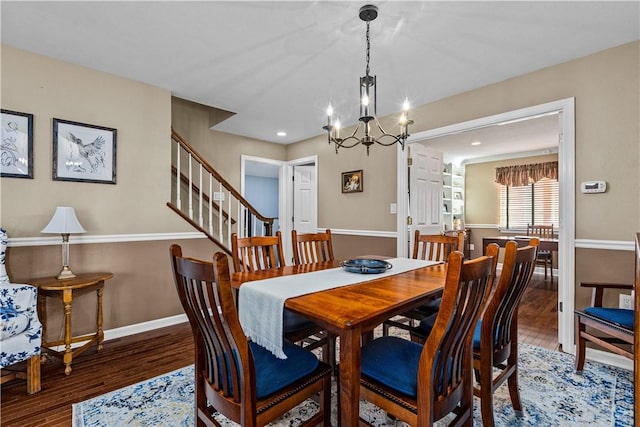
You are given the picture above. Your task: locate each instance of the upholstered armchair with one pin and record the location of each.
(20, 328)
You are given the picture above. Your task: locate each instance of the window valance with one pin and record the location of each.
(519, 175)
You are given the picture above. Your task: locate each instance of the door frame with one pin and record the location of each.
(566, 175)
(287, 196)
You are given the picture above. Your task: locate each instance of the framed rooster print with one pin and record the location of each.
(83, 153)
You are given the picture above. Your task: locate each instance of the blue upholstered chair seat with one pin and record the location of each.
(273, 374)
(618, 316)
(393, 361)
(432, 307)
(293, 322)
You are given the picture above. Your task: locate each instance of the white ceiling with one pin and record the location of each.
(277, 65)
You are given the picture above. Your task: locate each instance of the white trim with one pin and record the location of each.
(542, 152)
(366, 233)
(105, 238)
(612, 245)
(607, 358)
(566, 157)
(112, 334)
(492, 226)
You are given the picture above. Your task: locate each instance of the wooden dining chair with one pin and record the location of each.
(495, 340)
(544, 257)
(311, 248)
(234, 376)
(422, 383)
(431, 247)
(265, 252)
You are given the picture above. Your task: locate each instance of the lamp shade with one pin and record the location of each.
(64, 221)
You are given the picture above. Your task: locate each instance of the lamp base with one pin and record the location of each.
(65, 273)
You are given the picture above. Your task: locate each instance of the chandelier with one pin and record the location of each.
(368, 118)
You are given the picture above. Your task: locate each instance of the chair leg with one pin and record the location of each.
(486, 392)
(581, 343)
(33, 375)
(514, 391)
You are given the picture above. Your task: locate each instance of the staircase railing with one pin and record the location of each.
(201, 196)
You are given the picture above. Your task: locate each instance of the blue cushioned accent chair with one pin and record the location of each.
(20, 328)
(617, 324)
(420, 384)
(234, 376)
(265, 252)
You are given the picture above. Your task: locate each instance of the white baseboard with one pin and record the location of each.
(112, 334)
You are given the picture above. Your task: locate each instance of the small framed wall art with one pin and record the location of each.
(352, 182)
(16, 149)
(83, 153)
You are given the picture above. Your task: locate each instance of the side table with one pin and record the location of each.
(65, 290)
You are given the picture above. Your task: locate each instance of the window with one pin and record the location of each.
(530, 204)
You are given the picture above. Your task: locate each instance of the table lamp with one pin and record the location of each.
(64, 222)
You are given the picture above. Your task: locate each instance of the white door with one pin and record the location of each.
(425, 191)
(305, 199)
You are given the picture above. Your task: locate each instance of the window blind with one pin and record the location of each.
(535, 204)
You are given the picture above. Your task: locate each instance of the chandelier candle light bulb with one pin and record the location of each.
(368, 103)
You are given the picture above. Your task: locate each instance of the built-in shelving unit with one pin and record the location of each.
(452, 195)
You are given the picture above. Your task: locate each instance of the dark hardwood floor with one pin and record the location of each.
(139, 357)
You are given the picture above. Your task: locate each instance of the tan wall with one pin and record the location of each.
(606, 87)
(141, 114)
(607, 111)
(222, 150)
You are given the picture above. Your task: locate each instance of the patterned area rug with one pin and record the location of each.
(552, 395)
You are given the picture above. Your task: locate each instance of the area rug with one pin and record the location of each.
(551, 392)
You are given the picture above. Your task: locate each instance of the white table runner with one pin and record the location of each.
(261, 302)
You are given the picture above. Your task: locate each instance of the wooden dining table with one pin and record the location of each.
(353, 311)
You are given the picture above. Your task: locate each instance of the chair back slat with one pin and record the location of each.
(543, 231)
(445, 364)
(311, 248)
(435, 247)
(257, 253)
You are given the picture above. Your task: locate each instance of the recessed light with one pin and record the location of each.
(476, 143)
(281, 133)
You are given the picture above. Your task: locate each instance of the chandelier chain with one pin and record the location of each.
(368, 48)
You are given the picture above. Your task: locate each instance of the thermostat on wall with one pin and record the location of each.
(593, 187)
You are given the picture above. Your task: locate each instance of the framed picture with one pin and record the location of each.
(352, 182)
(16, 149)
(83, 153)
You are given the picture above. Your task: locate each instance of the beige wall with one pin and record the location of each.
(605, 86)
(141, 114)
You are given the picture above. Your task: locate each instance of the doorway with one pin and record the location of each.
(566, 161)
(272, 183)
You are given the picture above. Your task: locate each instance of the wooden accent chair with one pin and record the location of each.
(432, 247)
(234, 376)
(544, 257)
(421, 383)
(265, 252)
(616, 323)
(311, 248)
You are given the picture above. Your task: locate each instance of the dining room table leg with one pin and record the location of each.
(350, 360)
